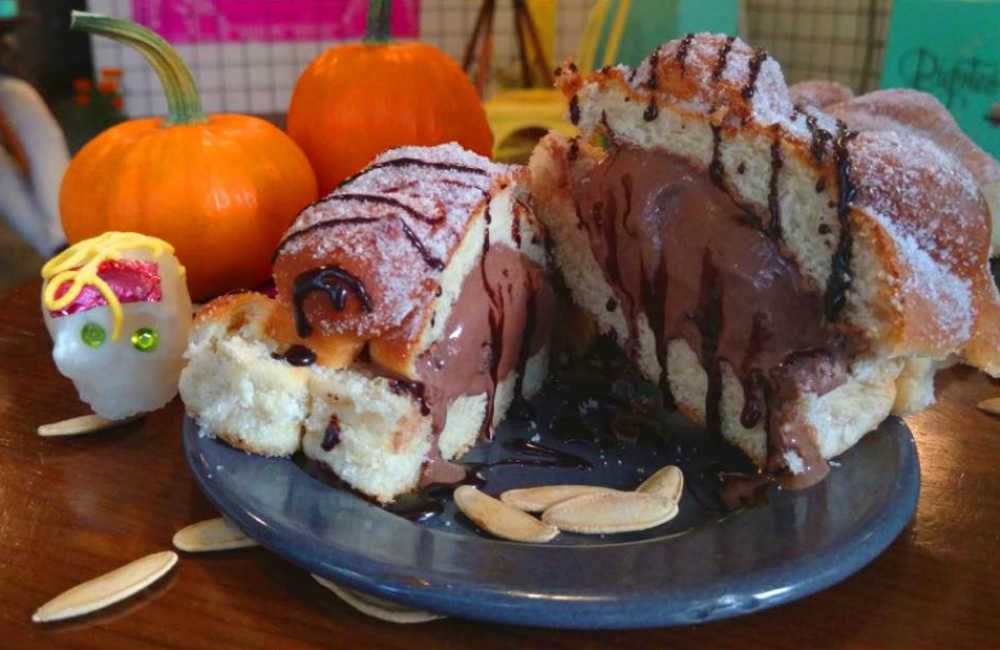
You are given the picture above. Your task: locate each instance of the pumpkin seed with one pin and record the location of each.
(211, 535)
(383, 610)
(610, 512)
(501, 519)
(991, 405)
(667, 483)
(107, 589)
(538, 499)
(82, 424)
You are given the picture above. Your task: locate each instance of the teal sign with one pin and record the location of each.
(632, 28)
(950, 49)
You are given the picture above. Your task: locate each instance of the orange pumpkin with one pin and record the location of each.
(222, 189)
(359, 99)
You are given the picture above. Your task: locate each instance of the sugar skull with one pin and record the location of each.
(118, 311)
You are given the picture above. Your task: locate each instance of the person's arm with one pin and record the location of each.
(31, 203)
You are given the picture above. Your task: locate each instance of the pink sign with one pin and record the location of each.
(208, 21)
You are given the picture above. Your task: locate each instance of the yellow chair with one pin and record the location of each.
(520, 117)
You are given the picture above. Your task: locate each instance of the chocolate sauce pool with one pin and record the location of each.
(675, 246)
(587, 429)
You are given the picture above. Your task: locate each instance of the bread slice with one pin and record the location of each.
(914, 112)
(887, 233)
(413, 306)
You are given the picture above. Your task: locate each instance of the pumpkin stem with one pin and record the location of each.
(379, 28)
(183, 103)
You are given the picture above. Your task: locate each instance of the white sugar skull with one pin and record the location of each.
(118, 311)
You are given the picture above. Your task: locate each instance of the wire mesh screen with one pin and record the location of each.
(842, 40)
(256, 70)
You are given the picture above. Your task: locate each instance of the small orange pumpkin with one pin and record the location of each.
(358, 99)
(222, 189)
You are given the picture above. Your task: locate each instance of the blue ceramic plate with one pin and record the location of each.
(703, 565)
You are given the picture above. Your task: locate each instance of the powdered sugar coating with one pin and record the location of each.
(919, 113)
(689, 73)
(930, 205)
(394, 226)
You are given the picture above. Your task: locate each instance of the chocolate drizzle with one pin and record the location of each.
(818, 138)
(756, 62)
(413, 388)
(335, 282)
(429, 259)
(495, 318)
(715, 169)
(839, 281)
(417, 162)
(654, 298)
(605, 215)
(773, 200)
(296, 355)
(682, 51)
(720, 64)
(329, 223)
(709, 321)
(755, 399)
(515, 222)
(331, 437)
(385, 200)
(574, 150)
(652, 110)
(405, 162)
(654, 62)
(755, 384)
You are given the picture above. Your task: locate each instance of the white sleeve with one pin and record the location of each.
(48, 157)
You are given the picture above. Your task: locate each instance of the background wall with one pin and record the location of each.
(258, 75)
(836, 39)
(841, 40)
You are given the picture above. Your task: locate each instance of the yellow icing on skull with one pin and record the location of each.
(79, 263)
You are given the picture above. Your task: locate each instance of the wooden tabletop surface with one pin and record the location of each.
(73, 508)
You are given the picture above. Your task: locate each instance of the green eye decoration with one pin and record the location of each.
(92, 334)
(145, 339)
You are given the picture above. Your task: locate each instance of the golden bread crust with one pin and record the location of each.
(268, 321)
(819, 93)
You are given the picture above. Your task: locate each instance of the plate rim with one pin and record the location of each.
(827, 567)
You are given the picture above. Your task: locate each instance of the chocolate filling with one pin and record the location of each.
(501, 318)
(675, 246)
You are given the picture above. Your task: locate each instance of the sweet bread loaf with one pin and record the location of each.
(788, 279)
(413, 306)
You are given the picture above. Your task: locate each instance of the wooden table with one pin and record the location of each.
(73, 508)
